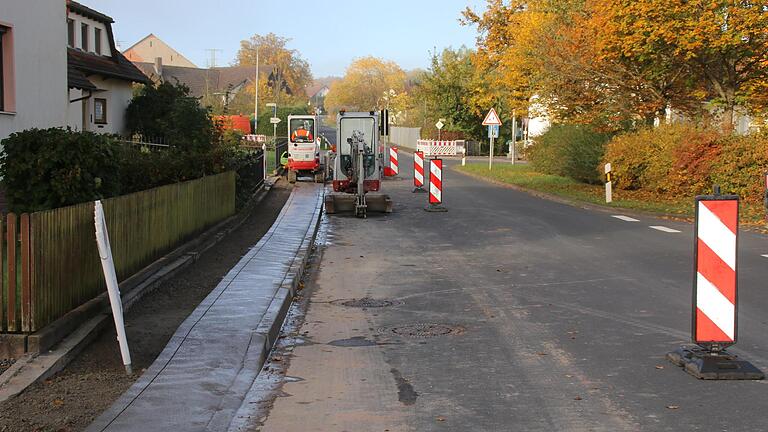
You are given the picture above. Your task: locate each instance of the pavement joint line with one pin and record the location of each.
(664, 229)
(626, 218)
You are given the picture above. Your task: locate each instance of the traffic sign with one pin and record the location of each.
(274, 120)
(439, 124)
(492, 119)
(493, 131)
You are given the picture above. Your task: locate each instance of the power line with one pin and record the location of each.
(212, 60)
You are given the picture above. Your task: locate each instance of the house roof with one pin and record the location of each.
(88, 12)
(77, 79)
(132, 52)
(201, 80)
(81, 65)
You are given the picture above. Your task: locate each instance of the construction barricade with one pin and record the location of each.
(435, 186)
(432, 148)
(418, 172)
(714, 306)
(393, 169)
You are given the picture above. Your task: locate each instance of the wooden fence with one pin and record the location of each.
(50, 263)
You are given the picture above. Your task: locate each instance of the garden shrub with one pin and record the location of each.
(48, 168)
(570, 150)
(683, 160)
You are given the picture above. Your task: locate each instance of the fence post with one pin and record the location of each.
(26, 289)
(11, 244)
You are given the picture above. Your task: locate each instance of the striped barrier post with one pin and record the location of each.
(435, 186)
(714, 306)
(393, 169)
(418, 171)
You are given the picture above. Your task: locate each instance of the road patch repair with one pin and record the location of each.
(200, 379)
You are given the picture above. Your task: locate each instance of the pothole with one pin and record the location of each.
(423, 330)
(367, 302)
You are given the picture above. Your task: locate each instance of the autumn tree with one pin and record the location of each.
(290, 72)
(368, 84)
(721, 43)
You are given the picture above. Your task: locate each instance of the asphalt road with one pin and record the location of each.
(565, 316)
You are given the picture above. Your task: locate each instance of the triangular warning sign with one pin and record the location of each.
(492, 119)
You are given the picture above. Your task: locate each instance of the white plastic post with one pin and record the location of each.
(264, 158)
(608, 184)
(108, 265)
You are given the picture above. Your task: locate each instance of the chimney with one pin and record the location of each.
(159, 67)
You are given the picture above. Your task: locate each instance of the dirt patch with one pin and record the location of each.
(5, 364)
(72, 399)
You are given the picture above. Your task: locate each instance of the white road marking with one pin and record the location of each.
(626, 218)
(764, 256)
(664, 229)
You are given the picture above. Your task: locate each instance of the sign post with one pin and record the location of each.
(439, 125)
(110, 277)
(608, 184)
(493, 122)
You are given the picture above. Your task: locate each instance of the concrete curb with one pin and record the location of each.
(86, 322)
(273, 320)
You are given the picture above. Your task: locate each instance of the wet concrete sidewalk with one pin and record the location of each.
(200, 379)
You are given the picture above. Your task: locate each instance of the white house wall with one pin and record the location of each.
(92, 24)
(118, 94)
(40, 64)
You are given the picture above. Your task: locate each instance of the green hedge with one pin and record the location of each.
(686, 160)
(569, 150)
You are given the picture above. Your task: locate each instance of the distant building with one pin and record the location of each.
(151, 48)
(100, 78)
(223, 82)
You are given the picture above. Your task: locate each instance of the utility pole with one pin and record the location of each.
(256, 102)
(212, 62)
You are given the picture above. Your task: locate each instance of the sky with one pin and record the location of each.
(328, 34)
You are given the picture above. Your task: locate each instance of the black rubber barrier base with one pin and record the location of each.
(708, 366)
(419, 190)
(435, 208)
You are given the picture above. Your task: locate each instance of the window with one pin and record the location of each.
(84, 37)
(71, 32)
(97, 40)
(99, 111)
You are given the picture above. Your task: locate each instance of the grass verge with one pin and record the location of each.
(524, 176)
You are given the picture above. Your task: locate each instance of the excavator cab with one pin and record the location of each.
(357, 166)
(303, 148)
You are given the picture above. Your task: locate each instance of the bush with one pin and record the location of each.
(50, 168)
(683, 160)
(570, 150)
(167, 110)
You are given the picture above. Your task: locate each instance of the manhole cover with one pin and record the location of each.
(424, 330)
(367, 302)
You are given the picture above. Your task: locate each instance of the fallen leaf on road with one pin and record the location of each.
(58, 402)
(541, 353)
(673, 407)
(577, 398)
(440, 419)
(659, 367)
(569, 376)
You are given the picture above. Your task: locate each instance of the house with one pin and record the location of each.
(225, 82)
(152, 47)
(100, 78)
(33, 65)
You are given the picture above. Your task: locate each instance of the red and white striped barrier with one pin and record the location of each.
(715, 299)
(432, 148)
(393, 169)
(717, 227)
(418, 171)
(435, 186)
